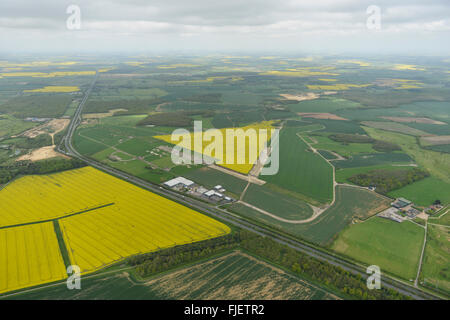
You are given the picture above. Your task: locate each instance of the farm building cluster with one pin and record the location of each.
(400, 210)
(216, 194)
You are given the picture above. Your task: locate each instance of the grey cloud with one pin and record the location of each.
(247, 21)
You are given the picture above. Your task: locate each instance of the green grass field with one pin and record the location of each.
(10, 126)
(210, 178)
(435, 269)
(141, 170)
(394, 247)
(164, 162)
(350, 202)
(343, 174)
(441, 217)
(344, 149)
(232, 276)
(338, 126)
(40, 105)
(301, 170)
(139, 146)
(87, 146)
(424, 192)
(323, 105)
(366, 160)
(438, 164)
(275, 201)
(395, 127)
(440, 148)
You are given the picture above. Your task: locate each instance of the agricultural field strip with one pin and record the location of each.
(132, 212)
(317, 211)
(314, 216)
(29, 255)
(51, 203)
(195, 265)
(187, 142)
(419, 267)
(189, 226)
(114, 147)
(112, 236)
(332, 166)
(59, 217)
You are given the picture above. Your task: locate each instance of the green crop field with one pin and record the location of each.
(277, 202)
(350, 202)
(301, 170)
(327, 154)
(440, 148)
(338, 126)
(87, 146)
(435, 268)
(343, 174)
(139, 146)
(323, 105)
(437, 164)
(142, 170)
(429, 109)
(344, 149)
(394, 247)
(232, 276)
(366, 160)
(424, 192)
(164, 162)
(42, 106)
(395, 127)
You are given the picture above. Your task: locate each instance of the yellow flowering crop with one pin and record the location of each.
(103, 220)
(29, 256)
(228, 147)
(55, 89)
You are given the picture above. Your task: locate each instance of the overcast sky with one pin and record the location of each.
(290, 26)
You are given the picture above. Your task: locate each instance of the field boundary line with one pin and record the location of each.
(62, 217)
(421, 257)
(267, 213)
(439, 225)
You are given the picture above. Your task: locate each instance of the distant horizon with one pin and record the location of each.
(324, 27)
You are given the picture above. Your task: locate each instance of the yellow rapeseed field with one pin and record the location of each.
(297, 73)
(29, 256)
(336, 86)
(55, 89)
(358, 62)
(138, 222)
(228, 148)
(39, 198)
(103, 220)
(408, 67)
(177, 65)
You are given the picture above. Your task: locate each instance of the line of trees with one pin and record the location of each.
(39, 141)
(8, 173)
(378, 145)
(302, 264)
(388, 180)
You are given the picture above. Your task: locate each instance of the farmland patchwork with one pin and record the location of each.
(103, 224)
